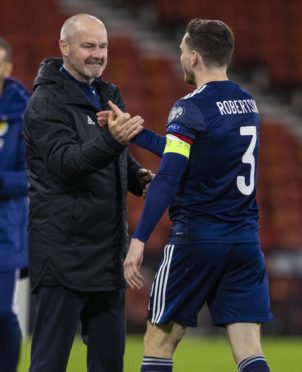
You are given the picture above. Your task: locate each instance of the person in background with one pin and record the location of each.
(13, 206)
(207, 176)
(79, 175)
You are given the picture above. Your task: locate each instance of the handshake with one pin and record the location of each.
(121, 125)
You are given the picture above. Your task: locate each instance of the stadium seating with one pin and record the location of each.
(32, 27)
(280, 184)
(268, 33)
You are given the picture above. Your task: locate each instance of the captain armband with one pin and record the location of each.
(177, 146)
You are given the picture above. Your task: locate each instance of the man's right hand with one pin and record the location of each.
(122, 127)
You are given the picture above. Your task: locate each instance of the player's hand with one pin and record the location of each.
(123, 128)
(103, 116)
(115, 109)
(120, 124)
(133, 263)
(145, 177)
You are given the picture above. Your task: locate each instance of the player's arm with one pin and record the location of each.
(150, 141)
(161, 192)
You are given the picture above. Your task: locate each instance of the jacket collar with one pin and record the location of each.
(49, 74)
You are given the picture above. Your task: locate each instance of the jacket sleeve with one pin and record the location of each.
(48, 127)
(133, 167)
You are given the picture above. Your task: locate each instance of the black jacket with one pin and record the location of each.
(79, 176)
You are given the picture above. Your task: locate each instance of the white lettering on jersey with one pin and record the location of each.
(237, 106)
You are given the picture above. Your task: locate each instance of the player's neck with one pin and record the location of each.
(214, 75)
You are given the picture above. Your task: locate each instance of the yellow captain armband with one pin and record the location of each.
(177, 146)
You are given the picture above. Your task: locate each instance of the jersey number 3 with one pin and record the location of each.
(248, 158)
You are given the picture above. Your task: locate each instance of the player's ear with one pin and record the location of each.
(194, 58)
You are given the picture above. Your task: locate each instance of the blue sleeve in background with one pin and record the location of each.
(13, 184)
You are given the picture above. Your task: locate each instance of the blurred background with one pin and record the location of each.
(144, 39)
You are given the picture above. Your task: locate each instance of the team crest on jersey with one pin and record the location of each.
(176, 113)
(3, 128)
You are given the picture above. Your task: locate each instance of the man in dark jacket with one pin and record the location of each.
(13, 206)
(79, 175)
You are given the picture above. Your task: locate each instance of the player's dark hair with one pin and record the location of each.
(8, 50)
(213, 39)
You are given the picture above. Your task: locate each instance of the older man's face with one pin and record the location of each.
(86, 56)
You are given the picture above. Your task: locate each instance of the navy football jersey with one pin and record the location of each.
(216, 200)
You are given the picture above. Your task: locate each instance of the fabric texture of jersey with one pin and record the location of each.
(216, 199)
(13, 182)
(230, 278)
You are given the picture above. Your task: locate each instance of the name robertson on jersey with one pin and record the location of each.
(243, 106)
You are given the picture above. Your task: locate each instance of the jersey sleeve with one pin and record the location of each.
(185, 124)
(185, 119)
(164, 186)
(150, 141)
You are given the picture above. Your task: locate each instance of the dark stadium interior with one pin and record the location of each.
(268, 57)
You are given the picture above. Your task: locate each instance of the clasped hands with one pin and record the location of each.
(121, 125)
(123, 128)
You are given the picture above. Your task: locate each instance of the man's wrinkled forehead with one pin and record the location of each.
(88, 31)
(88, 36)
